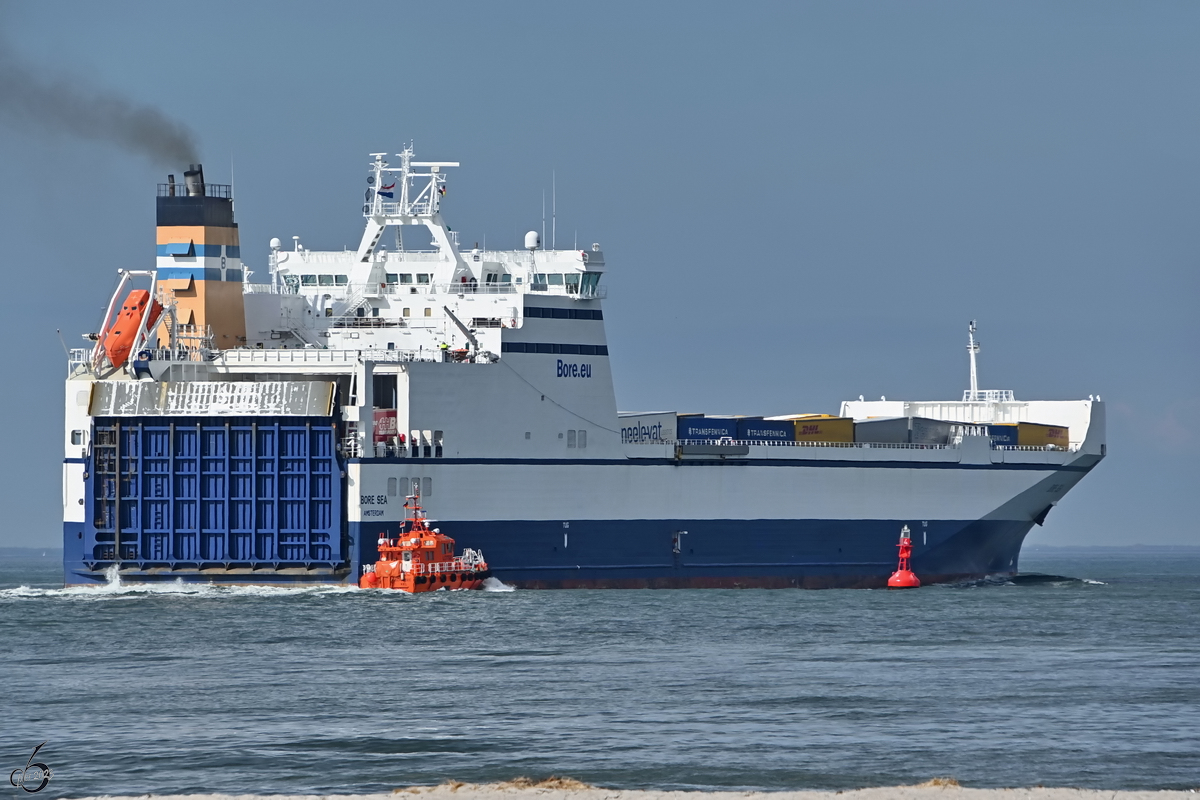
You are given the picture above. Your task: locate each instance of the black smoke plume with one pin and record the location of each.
(29, 97)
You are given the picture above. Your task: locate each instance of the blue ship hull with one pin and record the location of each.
(641, 554)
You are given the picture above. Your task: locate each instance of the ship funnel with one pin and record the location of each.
(194, 179)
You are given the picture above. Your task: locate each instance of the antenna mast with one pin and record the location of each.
(973, 349)
(553, 211)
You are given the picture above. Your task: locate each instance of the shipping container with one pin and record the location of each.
(824, 428)
(882, 430)
(1003, 434)
(647, 427)
(930, 431)
(903, 430)
(698, 426)
(1034, 434)
(756, 429)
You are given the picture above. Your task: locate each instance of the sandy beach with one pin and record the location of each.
(567, 789)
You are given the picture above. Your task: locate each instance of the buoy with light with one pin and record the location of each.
(904, 577)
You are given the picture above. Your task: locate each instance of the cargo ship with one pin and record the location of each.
(230, 431)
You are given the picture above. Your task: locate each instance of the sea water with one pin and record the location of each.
(1090, 680)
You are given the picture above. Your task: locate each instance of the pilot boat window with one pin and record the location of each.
(408, 555)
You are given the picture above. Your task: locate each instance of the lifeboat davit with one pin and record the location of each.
(118, 337)
(422, 559)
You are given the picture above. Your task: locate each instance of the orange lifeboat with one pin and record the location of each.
(118, 337)
(422, 559)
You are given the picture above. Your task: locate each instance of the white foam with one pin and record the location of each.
(115, 588)
(494, 584)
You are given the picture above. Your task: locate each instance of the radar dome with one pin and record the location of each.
(276, 244)
(532, 240)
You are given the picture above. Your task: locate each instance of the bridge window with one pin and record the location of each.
(406, 277)
(572, 282)
(325, 280)
(308, 280)
(554, 278)
(392, 278)
(423, 277)
(340, 280)
(506, 278)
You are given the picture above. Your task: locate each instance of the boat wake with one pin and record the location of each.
(115, 588)
(496, 585)
(1026, 579)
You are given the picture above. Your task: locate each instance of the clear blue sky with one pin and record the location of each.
(799, 202)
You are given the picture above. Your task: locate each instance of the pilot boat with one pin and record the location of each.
(422, 559)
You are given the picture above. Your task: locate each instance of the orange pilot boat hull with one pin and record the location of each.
(119, 337)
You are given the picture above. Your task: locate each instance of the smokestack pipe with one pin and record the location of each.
(194, 180)
(170, 185)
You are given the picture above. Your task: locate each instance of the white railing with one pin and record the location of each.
(352, 321)
(787, 443)
(862, 445)
(989, 396)
(594, 293)
(1041, 448)
(268, 288)
(325, 356)
(476, 288)
(79, 357)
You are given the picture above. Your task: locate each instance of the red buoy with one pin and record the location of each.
(903, 577)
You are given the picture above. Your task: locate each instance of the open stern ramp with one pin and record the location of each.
(215, 481)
